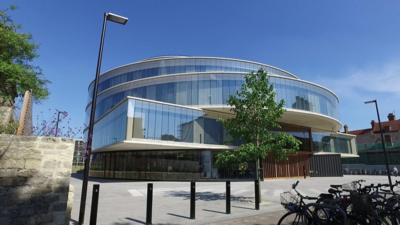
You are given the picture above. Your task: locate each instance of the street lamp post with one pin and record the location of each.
(382, 141)
(58, 120)
(116, 19)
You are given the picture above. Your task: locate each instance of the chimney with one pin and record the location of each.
(372, 124)
(391, 117)
(346, 129)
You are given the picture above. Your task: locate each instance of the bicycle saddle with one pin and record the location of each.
(326, 196)
(336, 186)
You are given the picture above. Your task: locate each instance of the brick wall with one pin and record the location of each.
(34, 179)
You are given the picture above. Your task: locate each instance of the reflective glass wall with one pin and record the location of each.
(215, 89)
(329, 142)
(303, 134)
(146, 119)
(111, 128)
(159, 121)
(178, 65)
(163, 165)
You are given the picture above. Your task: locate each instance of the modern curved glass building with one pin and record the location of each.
(159, 118)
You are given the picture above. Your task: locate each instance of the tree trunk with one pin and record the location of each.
(258, 169)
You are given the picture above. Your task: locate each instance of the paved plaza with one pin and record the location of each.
(124, 202)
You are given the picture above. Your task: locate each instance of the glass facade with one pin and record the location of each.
(303, 134)
(178, 65)
(157, 121)
(166, 109)
(163, 165)
(111, 128)
(196, 82)
(329, 142)
(168, 122)
(215, 89)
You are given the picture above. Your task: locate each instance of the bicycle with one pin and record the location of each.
(303, 213)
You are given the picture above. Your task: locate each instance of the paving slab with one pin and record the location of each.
(124, 202)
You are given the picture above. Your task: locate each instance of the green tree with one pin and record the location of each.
(17, 74)
(255, 123)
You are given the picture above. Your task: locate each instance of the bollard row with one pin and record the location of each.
(149, 203)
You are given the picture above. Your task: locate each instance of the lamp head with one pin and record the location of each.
(369, 102)
(116, 18)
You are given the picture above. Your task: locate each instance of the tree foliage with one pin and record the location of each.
(9, 128)
(17, 74)
(256, 123)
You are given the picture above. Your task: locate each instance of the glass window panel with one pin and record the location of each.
(152, 121)
(181, 92)
(158, 123)
(145, 119)
(111, 128)
(225, 91)
(216, 92)
(187, 127)
(171, 123)
(151, 92)
(204, 92)
(138, 127)
(165, 123)
(195, 91)
(232, 87)
(177, 119)
(181, 118)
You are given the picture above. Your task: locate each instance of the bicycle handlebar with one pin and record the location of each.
(295, 185)
(310, 198)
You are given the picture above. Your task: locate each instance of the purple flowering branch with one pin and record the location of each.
(47, 127)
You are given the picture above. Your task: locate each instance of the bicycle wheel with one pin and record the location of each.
(367, 220)
(294, 218)
(393, 207)
(395, 217)
(385, 221)
(329, 215)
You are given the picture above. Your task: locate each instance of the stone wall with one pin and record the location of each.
(34, 179)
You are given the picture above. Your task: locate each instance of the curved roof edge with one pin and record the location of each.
(194, 57)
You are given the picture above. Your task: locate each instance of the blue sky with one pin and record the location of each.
(351, 47)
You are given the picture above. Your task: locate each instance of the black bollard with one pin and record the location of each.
(149, 210)
(95, 203)
(257, 194)
(192, 200)
(228, 197)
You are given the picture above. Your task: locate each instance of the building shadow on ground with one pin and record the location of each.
(207, 196)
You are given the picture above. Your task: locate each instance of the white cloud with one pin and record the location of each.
(381, 82)
(384, 79)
